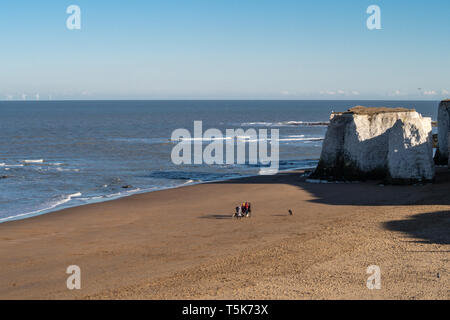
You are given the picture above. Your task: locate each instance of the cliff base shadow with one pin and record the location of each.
(432, 228)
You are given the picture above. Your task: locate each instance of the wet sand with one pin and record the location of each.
(183, 244)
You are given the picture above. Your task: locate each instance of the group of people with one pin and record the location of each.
(244, 210)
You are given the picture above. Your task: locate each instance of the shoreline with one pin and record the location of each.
(181, 244)
(62, 206)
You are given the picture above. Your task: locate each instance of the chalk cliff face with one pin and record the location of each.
(377, 143)
(442, 157)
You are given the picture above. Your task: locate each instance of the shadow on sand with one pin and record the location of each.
(370, 193)
(216, 216)
(433, 227)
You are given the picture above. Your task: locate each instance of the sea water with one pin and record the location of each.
(58, 154)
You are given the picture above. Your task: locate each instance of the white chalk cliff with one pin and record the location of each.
(379, 143)
(443, 133)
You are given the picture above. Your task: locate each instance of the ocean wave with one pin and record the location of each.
(33, 161)
(10, 165)
(53, 169)
(202, 139)
(306, 123)
(300, 139)
(246, 138)
(284, 123)
(192, 176)
(256, 124)
(250, 139)
(67, 170)
(142, 140)
(64, 200)
(109, 196)
(37, 161)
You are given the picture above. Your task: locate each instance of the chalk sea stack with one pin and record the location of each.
(441, 157)
(392, 144)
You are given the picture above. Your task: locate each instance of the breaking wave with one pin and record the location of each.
(33, 161)
(64, 200)
(284, 124)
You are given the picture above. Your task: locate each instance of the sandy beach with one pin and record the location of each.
(182, 243)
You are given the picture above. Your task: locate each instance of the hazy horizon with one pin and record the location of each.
(228, 99)
(224, 50)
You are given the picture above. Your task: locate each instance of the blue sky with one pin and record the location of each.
(224, 49)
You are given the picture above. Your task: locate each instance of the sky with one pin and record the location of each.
(224, 49)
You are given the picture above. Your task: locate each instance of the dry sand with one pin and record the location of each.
(182, 244)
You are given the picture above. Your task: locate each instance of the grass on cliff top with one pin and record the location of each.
(376, 110)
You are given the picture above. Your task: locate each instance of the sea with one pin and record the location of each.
(60, 154)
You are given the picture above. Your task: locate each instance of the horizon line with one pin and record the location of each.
(189, 99)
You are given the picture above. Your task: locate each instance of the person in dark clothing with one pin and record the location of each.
(248, 209)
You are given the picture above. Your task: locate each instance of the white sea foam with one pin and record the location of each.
(250, 124)
(300, 139)
(203, 139)
(251, 139)
(33, 161)
(284, 123)
(67, 170)
(54, 205)
(92, 198)
(74, 195)
(109, 196)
